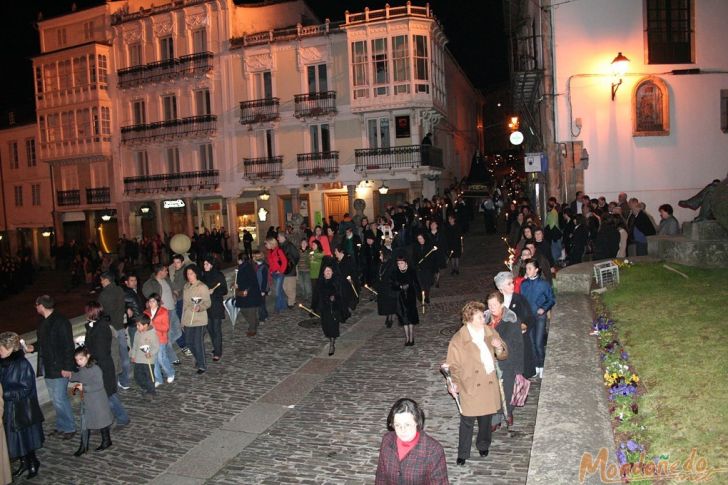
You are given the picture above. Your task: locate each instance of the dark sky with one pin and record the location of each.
(474, 29)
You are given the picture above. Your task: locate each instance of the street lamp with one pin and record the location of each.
(619, 68)
(145, 209)
(264, 195)
(383, 189)
(46, 232)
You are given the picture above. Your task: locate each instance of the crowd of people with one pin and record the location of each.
(132, 328)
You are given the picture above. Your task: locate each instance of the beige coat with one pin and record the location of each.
(199, 289)
(6, 473)
(479, 392)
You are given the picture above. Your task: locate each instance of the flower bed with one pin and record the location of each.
(623, 386)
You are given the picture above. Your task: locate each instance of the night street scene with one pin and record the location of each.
(364, 242)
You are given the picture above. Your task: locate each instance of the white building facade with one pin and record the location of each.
(659, 132)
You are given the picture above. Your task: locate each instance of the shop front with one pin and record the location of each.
(174, 216)
(247, 220)
(211, 214)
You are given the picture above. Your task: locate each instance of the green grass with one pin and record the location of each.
(676, 333)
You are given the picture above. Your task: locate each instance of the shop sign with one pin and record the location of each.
(173, 204)
(211, 206)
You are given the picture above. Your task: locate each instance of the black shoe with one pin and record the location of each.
(200, 371)
(83, 447)
(23, 467)
(412, 342)
(33, 465)
(105, 438)
(484, 452)
(460, 461)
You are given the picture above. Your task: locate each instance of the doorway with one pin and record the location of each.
(336, 205)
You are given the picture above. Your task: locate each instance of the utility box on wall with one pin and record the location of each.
(535, 162)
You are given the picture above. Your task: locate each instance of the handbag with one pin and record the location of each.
(520, 391)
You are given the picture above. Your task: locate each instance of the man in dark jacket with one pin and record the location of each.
(290, 276)
(640, 226)
(112, 299)
(248, 295)
(134, 303)
(55, 361)
(215, 281)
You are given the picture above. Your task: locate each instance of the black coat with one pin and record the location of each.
(247, 280)
(347, 267)
(134, 300)
(112, 299)
(520, 306)
(578, 244)
(369, 263)
(99, 341)
(55, 346)
(408, 289)
(212, 278)
(22, 416)
(453, 235)
(428, 267)
(443, 249)
(386, 296)
(330, 304)
(606, 245)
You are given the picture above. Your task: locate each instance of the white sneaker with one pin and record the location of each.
(540, 372)
(157, 384)
(170, 380)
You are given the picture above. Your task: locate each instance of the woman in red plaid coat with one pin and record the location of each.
(408, 455)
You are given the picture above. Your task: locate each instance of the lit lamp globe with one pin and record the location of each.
(180, 243)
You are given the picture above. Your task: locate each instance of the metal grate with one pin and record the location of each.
(606, 274)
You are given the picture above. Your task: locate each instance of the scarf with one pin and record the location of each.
(495, 320)
(478, 336)
(404, 447)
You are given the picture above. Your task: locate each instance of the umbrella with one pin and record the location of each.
(231, 309)
(504, 405)
(520, 391)
(84, 436)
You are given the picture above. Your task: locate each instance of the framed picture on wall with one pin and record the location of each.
(650, 108)
(402, 126)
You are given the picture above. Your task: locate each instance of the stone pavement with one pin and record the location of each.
(277, 409)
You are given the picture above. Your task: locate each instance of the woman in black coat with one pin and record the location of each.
(425, 257)
(22, 418)
(215, 281)
(438, 239)
(101, 342)
(369, 259)
(454, 236)
(248, 295)
(606, 244)
(330, 304)
(386, 297)
(518, 304)
(406, 285)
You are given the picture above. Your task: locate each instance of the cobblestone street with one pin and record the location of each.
(277, 409)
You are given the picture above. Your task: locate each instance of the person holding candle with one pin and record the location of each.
(196, 301)
(330, 303)
(406, 285)
(426, 256)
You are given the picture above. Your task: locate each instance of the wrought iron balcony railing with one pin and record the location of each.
(389, 158)
(100, 195)
(315, 104)
(318, 164)
(263, 168)
(172, 182)
(191, 65)
(259, 110)
(204, 125)
(69, 197)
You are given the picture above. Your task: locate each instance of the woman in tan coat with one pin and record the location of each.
(6, 474)
(195, 302)
(471, 357)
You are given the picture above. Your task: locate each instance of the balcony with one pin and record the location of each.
(194, 126)
(262, 168)
(172, 182)
(69, 197)
(193, 65)
(318, 164)
(390, 158)
(312, 105)
(259, 110)
(100, 195)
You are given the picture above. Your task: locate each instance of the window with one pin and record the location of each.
(320, 138)
(359, 61)
(43, 129)
(318, 81)
(53, 127)
(69, 177)
(14, 155)
(61, 37)
(88, 30)
(103, 71)
(199, 41)
(264, 85)
(49, 74)
(39, 81)
(67, 129)
(141, 163)
(380, 67)
(378, 132)
(105, 121)
(202, 102)
(18, 196)
(83, 123)
(138, 112)
(80, 71)
(99, 175)
(421, 64)
(35, 194)
(65, 80)
(724, 110)
(172, 158)
(135, 54)
(400, 64)
(206, 160)
(169, 107)
(265, 144)
(95, 121)
(166, 49)
(669, 31)
(30, 152)
(92, 69)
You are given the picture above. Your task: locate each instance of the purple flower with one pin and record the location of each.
(625, 355)
(632, 446)
(621, 457)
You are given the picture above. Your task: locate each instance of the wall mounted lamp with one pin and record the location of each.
(619, 68)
